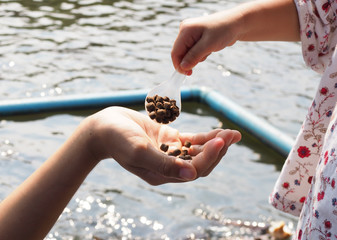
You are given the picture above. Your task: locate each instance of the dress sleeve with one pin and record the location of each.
(317, 21)
(317, 25)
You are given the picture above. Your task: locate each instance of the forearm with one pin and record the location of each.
(269, 20)
(129, 137)
(32, 209)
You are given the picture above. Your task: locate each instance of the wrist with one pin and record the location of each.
(231, 25)
(248, 12)
(91, 135)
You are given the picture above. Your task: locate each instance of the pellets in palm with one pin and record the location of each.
(181, 153)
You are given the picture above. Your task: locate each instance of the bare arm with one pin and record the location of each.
(123, 134)
(33, 208)
(268, 20)
(260, 20)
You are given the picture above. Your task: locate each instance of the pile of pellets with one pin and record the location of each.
(162, 109)
(181, 153)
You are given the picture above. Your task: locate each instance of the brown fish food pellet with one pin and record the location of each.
(175, 152)
(181, 153)
(162, 109)
(187, 144)
(150, 106)
(152, 115)
(185, 157)
(184, 152)
(164, 147)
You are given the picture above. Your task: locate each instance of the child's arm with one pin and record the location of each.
(261, 20)
(270, 20)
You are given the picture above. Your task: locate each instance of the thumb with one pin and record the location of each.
(165, 168)
(198, 53)
(174, 167)
(206, 160)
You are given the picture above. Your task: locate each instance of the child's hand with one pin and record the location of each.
(199, 37)
(261, 20)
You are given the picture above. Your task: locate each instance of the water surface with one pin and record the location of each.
(54, 48)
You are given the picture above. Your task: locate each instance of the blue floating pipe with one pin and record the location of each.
(45, 104)
(230, 110)
(260, 128)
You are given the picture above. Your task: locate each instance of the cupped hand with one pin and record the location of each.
(134, 140)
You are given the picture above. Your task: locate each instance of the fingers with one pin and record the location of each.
(182, 58)
(155, 178)
(233, 134)
(208, 149)
(157, 167)
(207, 159)
(231, 138)
(193, 56)
(196, 54)
(200, 138)
(181, 45)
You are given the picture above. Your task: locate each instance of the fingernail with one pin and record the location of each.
(184, 64)
(186, 174)
(188, 73)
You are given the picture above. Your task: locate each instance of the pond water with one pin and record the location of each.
(52, 48)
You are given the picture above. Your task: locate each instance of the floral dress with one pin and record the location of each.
(307, 183)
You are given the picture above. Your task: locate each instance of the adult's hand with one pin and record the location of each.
(134, 140)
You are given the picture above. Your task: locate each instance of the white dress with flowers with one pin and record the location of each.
(307, 183)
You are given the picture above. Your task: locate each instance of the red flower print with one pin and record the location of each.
(311, 47)
(286, 185)
(299, 236)
(320, 196)
(321, 54)
(327, 224)
(326, 154)
(310, 179)
(303, 152)
(302, 200)
(326, 6)
(326, 157)
(333, 183)
(324, 90)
